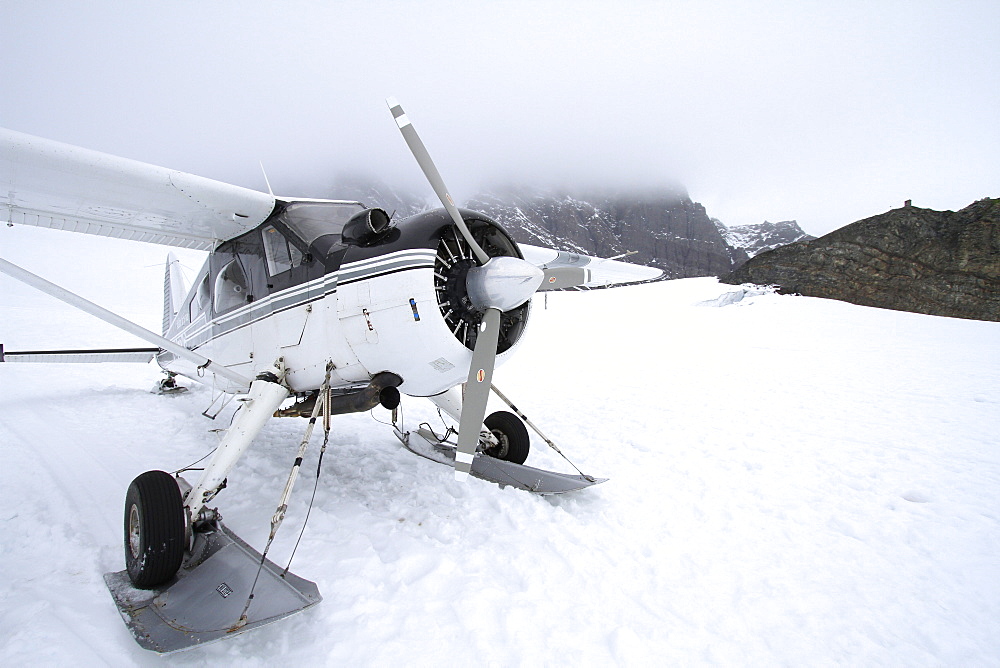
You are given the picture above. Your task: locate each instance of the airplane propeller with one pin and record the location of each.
(430, 171)
(498, 284)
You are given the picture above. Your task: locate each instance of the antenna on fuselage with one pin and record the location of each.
(264, 172)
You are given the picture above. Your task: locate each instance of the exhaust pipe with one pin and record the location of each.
(381, 390)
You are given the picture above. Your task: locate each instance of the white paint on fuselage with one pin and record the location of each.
(364, 327)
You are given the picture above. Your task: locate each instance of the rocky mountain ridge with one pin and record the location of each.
(909, 259)
(664, 226)
(755, 239)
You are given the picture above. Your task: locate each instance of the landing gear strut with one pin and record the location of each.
(207, 584)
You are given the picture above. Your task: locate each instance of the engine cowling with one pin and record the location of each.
(452, 267)
(417, 318)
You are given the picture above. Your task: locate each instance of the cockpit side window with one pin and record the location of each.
(281, 255)
(230, 287)
(200, 301)
(203, 294)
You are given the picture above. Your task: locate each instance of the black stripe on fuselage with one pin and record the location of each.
(386, 273)
(299, 295)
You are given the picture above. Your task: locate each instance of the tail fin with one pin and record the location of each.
(174, 291)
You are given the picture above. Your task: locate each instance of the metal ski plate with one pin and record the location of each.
(205, 601)
(498, 471)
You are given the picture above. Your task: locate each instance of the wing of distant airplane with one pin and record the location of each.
(49, 184)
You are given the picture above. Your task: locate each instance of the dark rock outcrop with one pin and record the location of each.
(909, 259)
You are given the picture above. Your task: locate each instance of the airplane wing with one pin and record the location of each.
(569, 271)
(49, 184)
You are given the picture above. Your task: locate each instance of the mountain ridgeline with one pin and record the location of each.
(664, 227)
(667, 229)
(911, 259)
(755, 239)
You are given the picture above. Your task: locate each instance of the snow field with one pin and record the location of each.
(793, 481)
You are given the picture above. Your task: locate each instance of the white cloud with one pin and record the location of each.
(823, 113)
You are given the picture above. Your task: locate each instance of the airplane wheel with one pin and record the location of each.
(154, 529)
(513, 437)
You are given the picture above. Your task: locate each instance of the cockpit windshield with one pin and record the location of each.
(309, 220)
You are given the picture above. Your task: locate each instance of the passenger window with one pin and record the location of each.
(230, 287)
(203, 295)
(200, 301)
(281, 255)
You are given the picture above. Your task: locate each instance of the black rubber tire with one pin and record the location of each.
(513, 437)
(154, 529)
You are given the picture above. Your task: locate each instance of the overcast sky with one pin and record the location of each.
(824, 112)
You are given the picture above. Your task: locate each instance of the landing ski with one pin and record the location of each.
(204, 602)
(497, 471)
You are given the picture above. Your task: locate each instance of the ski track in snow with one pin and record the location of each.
(794, 481)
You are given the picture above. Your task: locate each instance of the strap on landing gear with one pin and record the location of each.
(322, 405)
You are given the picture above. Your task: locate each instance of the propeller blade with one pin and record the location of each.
(433, 176)
(477, 392)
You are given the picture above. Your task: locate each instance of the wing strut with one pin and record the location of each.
(93, 309)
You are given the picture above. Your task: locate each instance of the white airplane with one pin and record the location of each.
(327, 301)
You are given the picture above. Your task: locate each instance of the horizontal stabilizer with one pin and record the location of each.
(25, 276)
(141, 355)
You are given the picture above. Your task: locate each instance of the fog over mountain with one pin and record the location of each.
(822, 113)
(660, 227)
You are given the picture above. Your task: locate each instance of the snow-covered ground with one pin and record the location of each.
(794, 481)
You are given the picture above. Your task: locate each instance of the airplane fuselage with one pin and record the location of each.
(307, 287)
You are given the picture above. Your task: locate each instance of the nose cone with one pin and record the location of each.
(502, 283)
